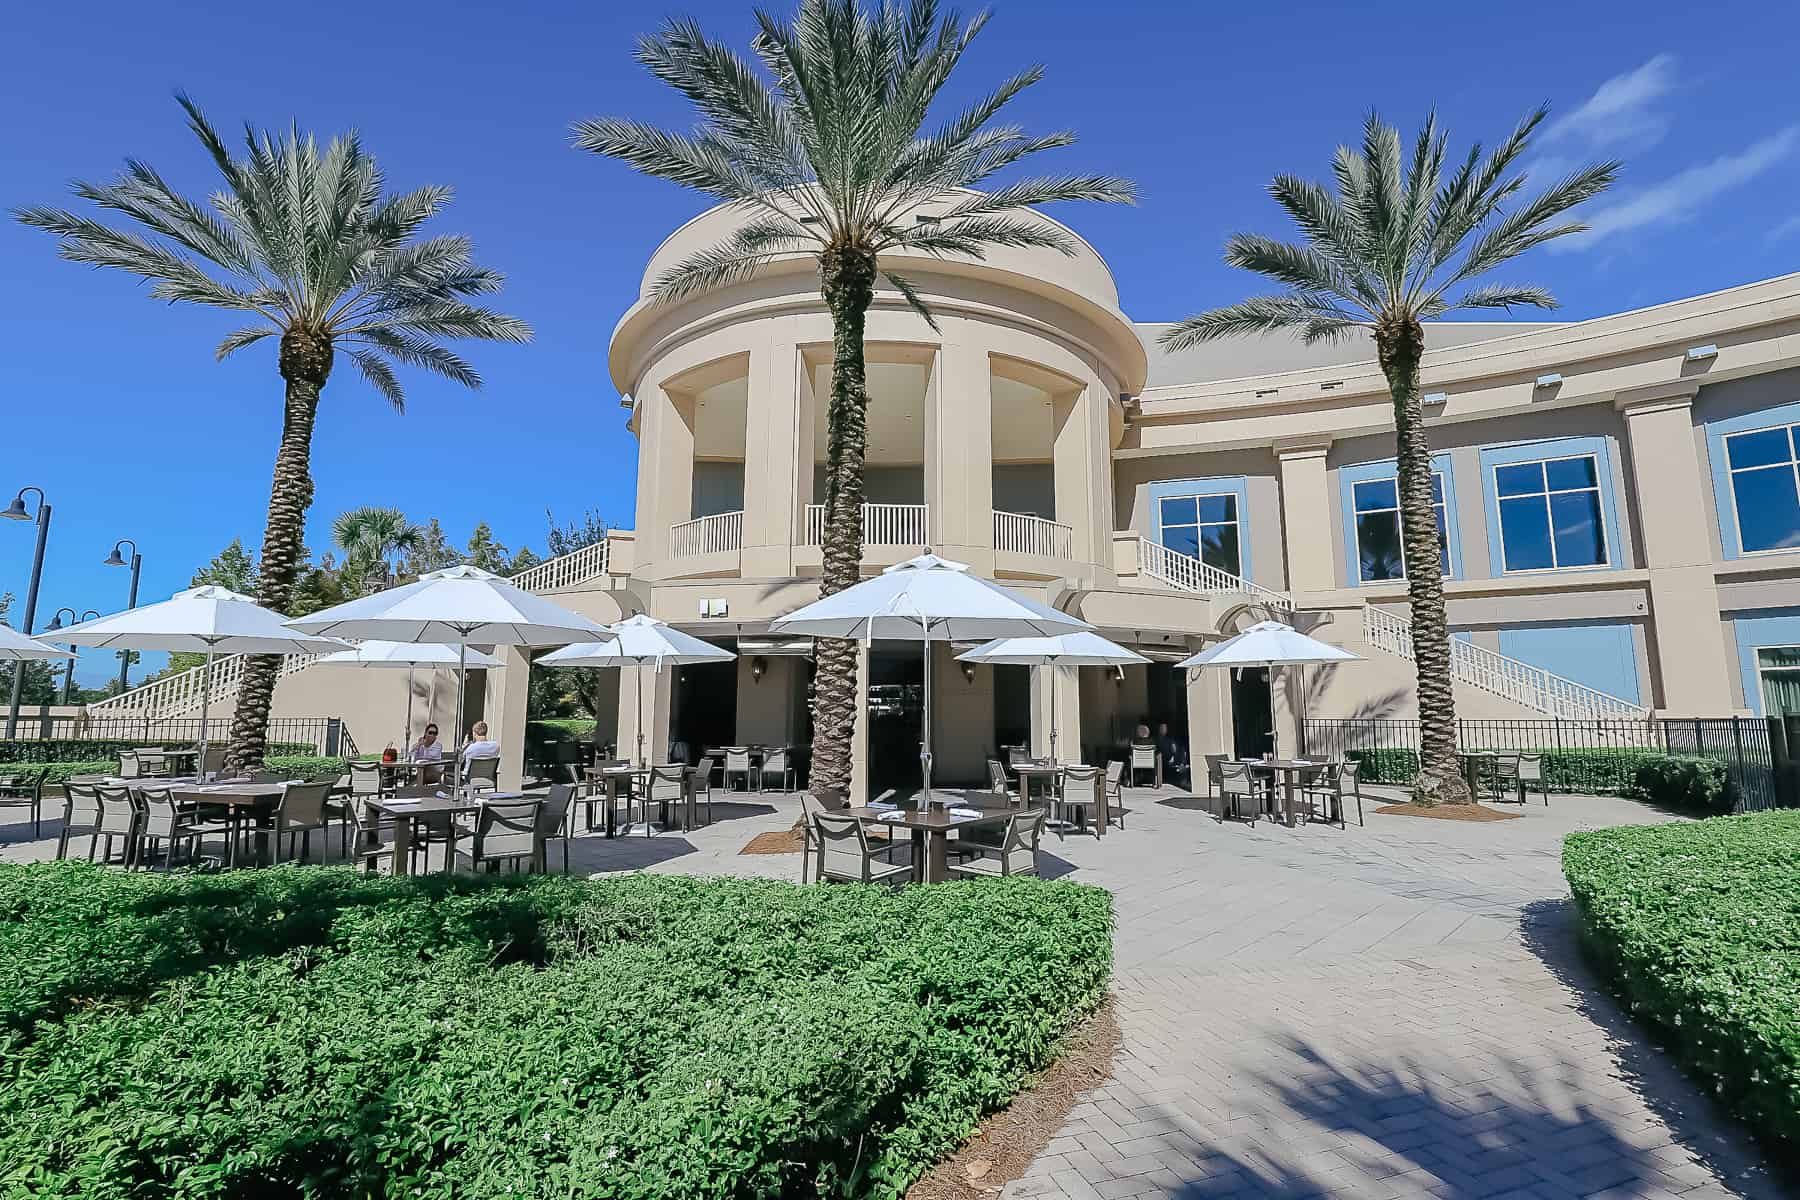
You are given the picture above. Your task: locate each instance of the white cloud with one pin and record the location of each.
(1786, 229)
(1684, 193)
(1621, 115)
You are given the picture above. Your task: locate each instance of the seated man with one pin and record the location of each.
(480, 745)
(1174, 756)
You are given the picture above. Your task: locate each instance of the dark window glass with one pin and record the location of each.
(1219, 547)
(1758, 449)
(1376, 493)
(1520, 479)
(1183, 539)
(1178, 510)
(1378, 546)
(1217, 508)
(1525, 534)
(1768, 508)
(1580, 538)
(1565, 473)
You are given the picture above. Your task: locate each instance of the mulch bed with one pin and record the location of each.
(1004, 1144)
(1447, 812)
(776, 841)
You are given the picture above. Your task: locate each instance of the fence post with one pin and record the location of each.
(1561, 758)
(334, 727)
(1737, 742)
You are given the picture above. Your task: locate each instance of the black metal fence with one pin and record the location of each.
(1586, 756)
(325, 736)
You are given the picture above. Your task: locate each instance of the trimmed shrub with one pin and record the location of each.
(61, 750)
(308, 1031)
(1386, 765)
(1696, 925)
(1597, 771)
(298, 766)
(1685, 783)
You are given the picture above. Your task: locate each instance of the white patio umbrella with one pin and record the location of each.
(402, 655)
(1269, 644)
(639, 641)
(1064, 650)
(204, 620)
(16, 646)
(933, 600)
(461, 606)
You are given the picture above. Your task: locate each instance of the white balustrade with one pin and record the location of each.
(1020, 533)
(1186, 573)
(716, 534)
(883, 525)
(1535, 688)
(565, 570)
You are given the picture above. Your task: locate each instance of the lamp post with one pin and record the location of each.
(56, 623)
(137, 565)
(17, 512)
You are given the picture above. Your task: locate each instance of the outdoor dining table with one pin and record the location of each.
(611, 779)
(244, 802)
(1288, 771)
(407, 813)
(1474, 762)
(1049, 772)
(171, 762)
(931, 830)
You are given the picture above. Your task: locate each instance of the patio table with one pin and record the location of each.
(611, 779)
(1049, 772)
(1288, 772)
(931, 831)
(407, 813)
(1473, 763)
(244, 803)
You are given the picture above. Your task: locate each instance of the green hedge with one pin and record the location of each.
(1684, 782)
(1592, 772)
(58, 750)
(309, 1031)
(298, 765)
(1696, 925)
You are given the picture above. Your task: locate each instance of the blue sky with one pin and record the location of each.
(115, 406)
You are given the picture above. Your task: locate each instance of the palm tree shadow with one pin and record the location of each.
(1443, 1126)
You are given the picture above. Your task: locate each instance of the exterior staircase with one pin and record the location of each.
(1485, 670)
(184, 695)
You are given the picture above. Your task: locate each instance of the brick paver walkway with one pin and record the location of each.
(1388, 1011)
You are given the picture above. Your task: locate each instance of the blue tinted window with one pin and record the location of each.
(1379, 551)
(1550, 514)
(1204, 527)
(1217, 508)
(1376, 494)
(1178, 510)
(1765, 488)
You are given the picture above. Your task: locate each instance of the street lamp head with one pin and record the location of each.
(113, 559)
(16, 511)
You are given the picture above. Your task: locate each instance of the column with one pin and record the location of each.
(1306, 515)
(1082, 454)
(859, 738)
(959, 455)
(656, 706)
(508, 688)
(772, 470)
(1062, 685)
(665, 493)
(1209, 715)
(1690, 654)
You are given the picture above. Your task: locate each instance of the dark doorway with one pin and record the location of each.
(1166, 689)
(1252, 736)
(1012, 709)
(896, 707)
(705, 709)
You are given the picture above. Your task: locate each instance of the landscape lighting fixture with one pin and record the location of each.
(1698, 353)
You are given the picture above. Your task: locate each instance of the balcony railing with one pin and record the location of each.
(1186, 573)
(716, 534)
(1019, 533)
(565, 570)
(883, 525)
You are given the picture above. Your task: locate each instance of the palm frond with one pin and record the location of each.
(905, 287)
(381, 377)
(237, 339)
(415, 351)
(1501, 295)
(1316, 316)
(1302, 267)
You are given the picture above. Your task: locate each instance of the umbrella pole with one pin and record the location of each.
(406, 737)
(925, 720)
(205, 712)
(637, 677)
(1274, 729)
(462, 691)
(1053, 759)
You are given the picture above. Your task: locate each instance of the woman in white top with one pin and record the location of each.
(428, 748)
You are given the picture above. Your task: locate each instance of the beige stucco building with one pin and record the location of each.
(1620, 507)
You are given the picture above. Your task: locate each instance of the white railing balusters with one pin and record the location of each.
(883, 525)
(1479, 667)
(1186, 573)
(716, 534)
(565, 570)
(1020, 533)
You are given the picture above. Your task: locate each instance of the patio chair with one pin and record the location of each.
(1333, 789)
(776, 763)
(1017, 754)
(1213, 762)
(505, 832)
(368, 782)
(737, 762)
(166, 821)
(1239, 794)
(366, 837)
(1115, 791)
(1143, 758)
(1531, 774)
(214, 761)
(1081, 789)
(556, 818)
(703, 773)
(810, 807)
(26, 790)
(482, 774)
(997, 782)
(300, 811)
(118, 819)
(594, 791)
(1016, 854)
(846, 854)
(667, 785)
(129, 766)
(1503, 777)
(81, 816)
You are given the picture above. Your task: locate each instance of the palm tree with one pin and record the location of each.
(302, 238)
(374, 538)
(1397, 243)
(826, 155)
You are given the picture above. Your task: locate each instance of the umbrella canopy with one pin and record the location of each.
(461, 606)
(1065, 650)
(927, 598)
(635, 641)
(1269, 644)
(404, 656)
(205, 620)
(198, 621)
(639, 641)
(15, 646)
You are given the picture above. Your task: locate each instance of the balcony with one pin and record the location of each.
(721, 533)
(1019, 533)
(883, 525)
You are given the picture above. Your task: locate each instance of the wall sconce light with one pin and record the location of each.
(968, 670)
(1698, 353)
(758, 665)
(626, 402)
(1547, 381)
(1118, 676)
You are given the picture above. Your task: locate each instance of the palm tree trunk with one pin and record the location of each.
(847, 281)
(305, 365)
(1400, 344)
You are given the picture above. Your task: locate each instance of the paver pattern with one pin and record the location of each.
(1393, 1010)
